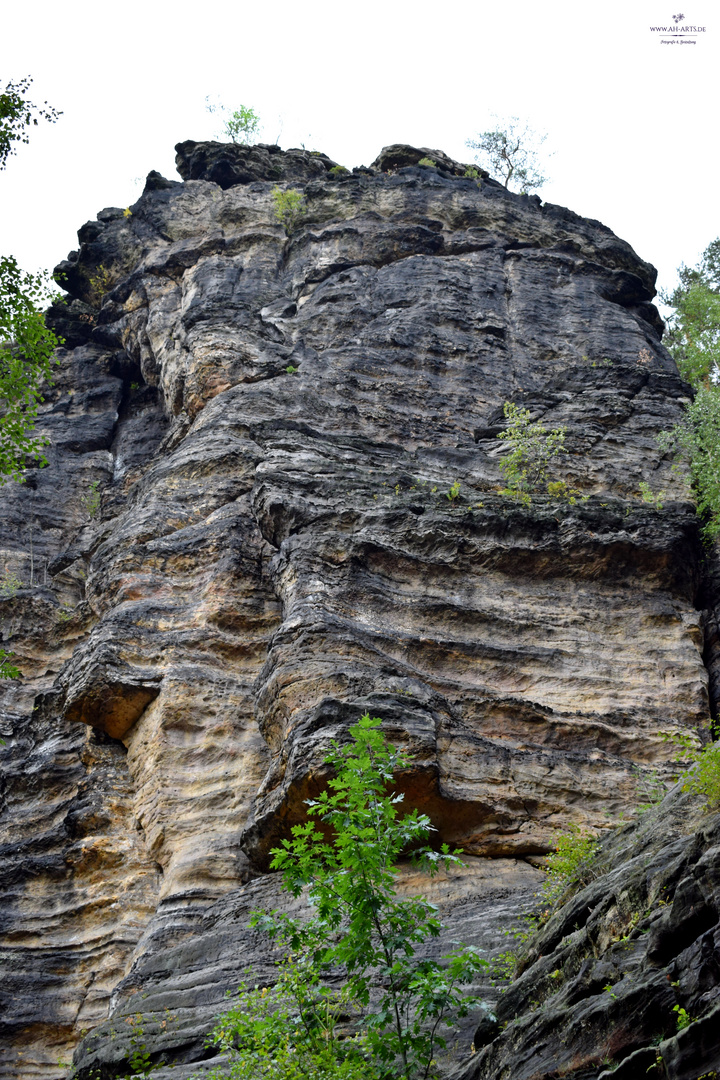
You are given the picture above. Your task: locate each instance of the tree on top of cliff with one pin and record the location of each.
(511, 153)
(17, 114)
(242, 125)
(26, 358)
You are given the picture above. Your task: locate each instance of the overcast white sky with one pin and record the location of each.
(632, 122)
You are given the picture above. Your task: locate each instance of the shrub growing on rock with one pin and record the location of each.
(693, 338)
(289, 208)
(704, 777)
(531, 449)
(511, 153)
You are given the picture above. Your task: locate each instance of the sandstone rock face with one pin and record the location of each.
(274, 423)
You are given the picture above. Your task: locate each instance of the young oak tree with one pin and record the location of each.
(241, 125)
(394, 1007)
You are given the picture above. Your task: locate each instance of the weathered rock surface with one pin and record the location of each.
(603, 979)
(274, 422)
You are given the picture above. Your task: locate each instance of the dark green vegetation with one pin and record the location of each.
(360, 934)
(289, 208)
(693, 338)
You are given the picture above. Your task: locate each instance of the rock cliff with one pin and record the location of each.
(273, 424)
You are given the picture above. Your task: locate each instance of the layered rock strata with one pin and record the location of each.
(275, 423)
(624, 980)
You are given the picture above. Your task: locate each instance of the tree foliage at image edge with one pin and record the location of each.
(693, 339)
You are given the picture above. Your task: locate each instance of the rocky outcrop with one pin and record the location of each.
(605, 980)
(274, 423)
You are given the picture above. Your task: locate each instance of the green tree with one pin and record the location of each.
(289, 208)
(345, 856)
(17, 115)
(693, 339)
(26, 343)
(693, 333)
(241, 125)
(511, 153)
(531, 449)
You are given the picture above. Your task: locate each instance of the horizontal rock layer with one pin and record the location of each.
(275, 423)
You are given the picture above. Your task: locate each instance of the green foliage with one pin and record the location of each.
(338, 170)
(7, 670)
(291, 369)
(360, 926)
(139, 1057)
(241, 125)
(696, 440)
(502, 966)
(532, 448)
(26, 361)
(101, 282)
(571, 863)
(90, 500)
(683, 1018)
(453, 493)
(693, 338)
(292, 1029)
(428, 161)
(471, 174)
(17, 115)
(511, 153)
(651, 498)
(560, 489)
(704, 777)
(289, 208)
(9, 585)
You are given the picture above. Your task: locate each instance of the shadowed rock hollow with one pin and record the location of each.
(275, 422)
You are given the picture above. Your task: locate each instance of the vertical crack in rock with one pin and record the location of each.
(274, 424)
